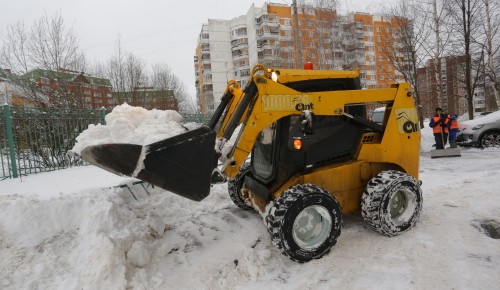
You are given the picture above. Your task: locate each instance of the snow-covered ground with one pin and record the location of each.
(73, 229)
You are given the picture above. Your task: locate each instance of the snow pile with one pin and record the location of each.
(133, 125)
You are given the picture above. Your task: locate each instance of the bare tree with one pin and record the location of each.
(438, 52)
(116, 68)
(492, 29)
(404, 48)
(467, 16)
(326, 17)
(48, 45)
(163, 78)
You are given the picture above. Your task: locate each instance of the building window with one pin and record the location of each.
(309, 23)
(311, 34)
(286, 21)
(378, 28)
(381, 77)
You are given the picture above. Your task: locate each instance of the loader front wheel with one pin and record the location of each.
(304, 222)
(391, 202)
(236, 188)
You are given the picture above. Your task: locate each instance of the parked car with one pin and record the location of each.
(378, 115)
(484, 131)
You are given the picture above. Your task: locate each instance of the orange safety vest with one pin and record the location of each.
(454, 124)
(437, 128)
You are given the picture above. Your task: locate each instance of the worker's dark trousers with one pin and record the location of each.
(453, 138)
(439, 140)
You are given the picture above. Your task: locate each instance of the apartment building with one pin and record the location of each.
(70, 88)
(148, 98)
(451, 73)
(228, 49)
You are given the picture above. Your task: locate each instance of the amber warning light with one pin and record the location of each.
(297, 144)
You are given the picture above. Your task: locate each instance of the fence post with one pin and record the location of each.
(10, 140)
(103, 116)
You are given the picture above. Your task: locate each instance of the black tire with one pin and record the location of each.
(290, 222)
(391, 202)
(235, 185)
(490, 139)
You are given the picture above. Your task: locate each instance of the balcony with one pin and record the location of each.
(205, 47)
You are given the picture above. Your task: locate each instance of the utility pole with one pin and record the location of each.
(298, 45)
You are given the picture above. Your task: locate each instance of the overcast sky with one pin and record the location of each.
(157, 31)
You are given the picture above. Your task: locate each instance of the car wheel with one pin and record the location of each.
(391, 202)
(490, 139)
(304, 222)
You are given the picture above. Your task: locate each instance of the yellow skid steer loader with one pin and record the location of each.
(314, 156)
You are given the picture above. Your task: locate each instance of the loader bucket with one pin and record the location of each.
(182, 164)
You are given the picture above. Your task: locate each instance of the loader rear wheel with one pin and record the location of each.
(391, 202)
(304, 222)
(235, 186)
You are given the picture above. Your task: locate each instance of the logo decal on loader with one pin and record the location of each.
(284, 103)
(407, 120)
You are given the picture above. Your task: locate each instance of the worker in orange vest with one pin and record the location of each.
(439, 124)
(453, 130)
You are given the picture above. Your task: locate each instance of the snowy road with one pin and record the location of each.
(73, 229)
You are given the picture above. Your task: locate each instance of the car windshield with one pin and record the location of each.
(378, 116)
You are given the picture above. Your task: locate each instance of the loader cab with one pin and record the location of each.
(329, 140)
(276, 158)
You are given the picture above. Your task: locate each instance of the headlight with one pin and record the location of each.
(274, 76)
(477, 127)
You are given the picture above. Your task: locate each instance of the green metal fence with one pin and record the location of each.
(196, 118)
(36, 140)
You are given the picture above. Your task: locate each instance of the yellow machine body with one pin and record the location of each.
(396, 148)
